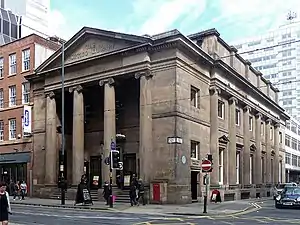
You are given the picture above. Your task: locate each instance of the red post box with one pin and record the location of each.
(156, 192)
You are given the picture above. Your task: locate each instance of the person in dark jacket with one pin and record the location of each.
(106, 192)
(141, 192)
(132, 193)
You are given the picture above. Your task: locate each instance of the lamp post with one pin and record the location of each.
(62, 165)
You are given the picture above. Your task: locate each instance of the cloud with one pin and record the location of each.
(160, 15)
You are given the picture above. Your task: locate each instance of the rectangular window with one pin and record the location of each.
(1, 67)
(221, 165)
(195, 97)
(288, 158)
(250, 123)
(1, 98)
(294, 160)
(12, 64)
(12, 96)
(12, 129)
(25, 93)
(26, 60)
(237, 168)
(298, 161)
(195, 150)
(221, 109)
(237, 117)
(1, 130)
(251, 169)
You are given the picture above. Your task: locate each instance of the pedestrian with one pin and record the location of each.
(106, 192)
(23, 189)
(5, 208)
(132, 194)
(16, 190)
(141, 192)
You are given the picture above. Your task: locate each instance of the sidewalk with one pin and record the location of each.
(195, 209)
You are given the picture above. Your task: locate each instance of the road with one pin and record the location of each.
(25, 215)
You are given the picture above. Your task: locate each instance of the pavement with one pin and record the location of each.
(195, 209)
(264, 213)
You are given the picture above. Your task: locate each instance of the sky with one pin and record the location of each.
(234, 19)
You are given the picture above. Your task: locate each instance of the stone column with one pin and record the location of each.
(214, 133)
(257, 160)
(109, 121)
(78, 134)
(246, 150)
(145, 148)
(231, 163)
(268, 151)
(51, 140)
(276, 147)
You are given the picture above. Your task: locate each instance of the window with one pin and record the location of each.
(12, 129)
(12, 64)
(294, 143)
(26, 60)
(237, 117)
(1, 67)
(280, 172)
(195, 150)
(221, 165)
(195, 97)
(251, 169)
(1, 130)
(12, 96)
(1, 98)
(294, 160)
(250, 123)
(288, 140)
(298, 161)
(237, 168)
(221, 108)
(288, 158)
(25, 93)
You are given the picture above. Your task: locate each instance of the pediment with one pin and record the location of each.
(91, 42)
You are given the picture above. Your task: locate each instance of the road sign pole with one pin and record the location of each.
(112, 147)
(206, 192)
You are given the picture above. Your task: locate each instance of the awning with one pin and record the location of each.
(15, 157)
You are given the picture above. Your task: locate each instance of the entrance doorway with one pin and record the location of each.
(95, 172)
(194, 185)
(129, 164)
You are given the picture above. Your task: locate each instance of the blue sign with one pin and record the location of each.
(26, 118)
(112, 145)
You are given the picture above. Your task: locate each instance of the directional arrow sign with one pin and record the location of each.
(206, 165)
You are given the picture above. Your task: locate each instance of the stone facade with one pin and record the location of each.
(196, 88)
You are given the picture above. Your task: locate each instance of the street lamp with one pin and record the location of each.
(61, 167)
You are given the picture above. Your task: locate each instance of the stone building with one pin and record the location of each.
(150, 89)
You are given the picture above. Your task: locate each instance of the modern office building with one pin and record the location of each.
(173, 100)
(277, 55)
(292, 151)
(18, 59)
(34, 15)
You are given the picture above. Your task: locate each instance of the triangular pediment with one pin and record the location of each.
(89, 43)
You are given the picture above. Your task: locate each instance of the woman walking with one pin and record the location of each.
(5, 208)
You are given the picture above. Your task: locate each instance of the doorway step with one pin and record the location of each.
(122, 196)
(57, 194)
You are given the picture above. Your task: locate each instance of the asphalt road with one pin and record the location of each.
(25, 215)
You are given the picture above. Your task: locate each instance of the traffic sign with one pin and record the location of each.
(206, 165)
(112, 145)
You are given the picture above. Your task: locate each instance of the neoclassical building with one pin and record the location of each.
(149, 89)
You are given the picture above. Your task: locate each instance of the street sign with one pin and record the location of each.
(206, 165)
(112, 145)
(120, 165)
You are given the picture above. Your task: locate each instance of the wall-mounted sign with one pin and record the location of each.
(175, 140)
(27, 119)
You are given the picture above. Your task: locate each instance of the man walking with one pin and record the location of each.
(141, 192)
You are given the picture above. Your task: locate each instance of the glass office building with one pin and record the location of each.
(10, 26)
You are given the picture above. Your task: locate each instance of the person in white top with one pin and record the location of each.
(23, 188)
(5, 208)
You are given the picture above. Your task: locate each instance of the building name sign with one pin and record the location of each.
(92, 48)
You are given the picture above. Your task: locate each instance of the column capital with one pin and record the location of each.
(110, 81)
(214, 89)
(247, 108)
(50, 94)
(258, 115)
(77, 88)
(147, 74)
(233, 100)
(269, 121)
(277, 125)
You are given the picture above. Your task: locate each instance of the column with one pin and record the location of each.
(257, 161)
(78, 134)
(145, 131)
(109, 134)
(51, 140)
(276, 147)
(268, 151)
(231, 163)
(246, 150)
(214, 133)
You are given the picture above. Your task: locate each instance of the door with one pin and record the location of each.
(95, 172)
(129, 164)
(194, 184)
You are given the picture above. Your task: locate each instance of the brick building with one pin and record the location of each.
(146, 90)
(18, 59)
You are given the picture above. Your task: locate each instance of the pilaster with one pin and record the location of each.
(51, 140)
(257, 160)
(214, 132)
(145, 148)
(109, 121)
(78, 134)
(246, 150)
(276, 147)
(268, 151)
(231, 162)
